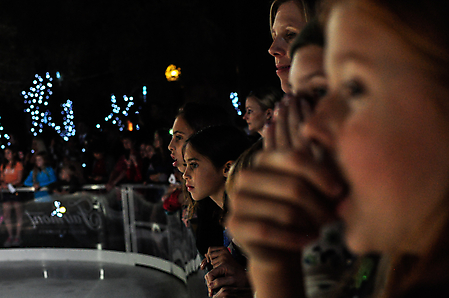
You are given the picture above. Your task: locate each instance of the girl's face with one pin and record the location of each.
(143, 152)
(127, 144)
(307, 78)
(64, 175)
(181, 132)
(202, 178)
(287, 24)
(8, 154)
(149, 151)
(383, 126)
(255, 116)
(157, 140)
(39, 162)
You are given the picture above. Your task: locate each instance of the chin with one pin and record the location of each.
(285, 86)
(363, 243)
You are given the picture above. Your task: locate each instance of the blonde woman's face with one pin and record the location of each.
(384, 128)
(254, 116)
(288, 22)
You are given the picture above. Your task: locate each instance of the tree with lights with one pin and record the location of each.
(37, 99)
(119, 114)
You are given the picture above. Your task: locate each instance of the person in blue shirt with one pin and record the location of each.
(42, 175)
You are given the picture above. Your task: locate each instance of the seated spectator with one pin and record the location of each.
(42, 175)
(37, 145)
(102, 165)
(159, 165)
(128, 168)
(68, 182)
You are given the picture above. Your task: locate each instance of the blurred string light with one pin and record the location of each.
(235, 102)
(4, 136)
(144, 93)
(36, 99)
(118, 114)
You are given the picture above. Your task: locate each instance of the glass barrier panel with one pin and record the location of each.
(86, 219)
(156, 232)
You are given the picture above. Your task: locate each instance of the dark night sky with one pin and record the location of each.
(104, 47)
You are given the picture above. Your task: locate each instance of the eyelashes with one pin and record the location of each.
(354, 89)
(313, 97)
(290, 36)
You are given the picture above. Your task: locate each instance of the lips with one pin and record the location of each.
(175, 162)
(282, 68)
(189, 187)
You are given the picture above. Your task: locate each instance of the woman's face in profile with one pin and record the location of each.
(288, 22)
(254, 116)
(181, 132)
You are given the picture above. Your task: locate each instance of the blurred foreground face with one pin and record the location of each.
(383, 125)
(307, 79)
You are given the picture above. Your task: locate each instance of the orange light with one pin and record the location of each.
(130, 126)
(172, 73)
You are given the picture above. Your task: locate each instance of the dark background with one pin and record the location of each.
(116, 47)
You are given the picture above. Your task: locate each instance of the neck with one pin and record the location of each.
(218, 197)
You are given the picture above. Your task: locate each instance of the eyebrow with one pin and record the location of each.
(313, 74)
(353, 56)
(193, 159)
(178, 131)
(289, 27)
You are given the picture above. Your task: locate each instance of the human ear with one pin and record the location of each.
(269, 113)
(227, 167)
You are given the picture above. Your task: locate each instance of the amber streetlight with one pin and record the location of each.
(172, 73)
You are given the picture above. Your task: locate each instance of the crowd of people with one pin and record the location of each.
(52, 166)
(343, 193)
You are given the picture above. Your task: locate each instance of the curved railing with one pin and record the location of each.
(126, 225)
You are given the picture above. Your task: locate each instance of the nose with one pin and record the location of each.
(170, 145)
(324, 123)
(278, 48)
(245, 117)
(186, 175)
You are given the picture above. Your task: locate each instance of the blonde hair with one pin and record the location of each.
(307, 7)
